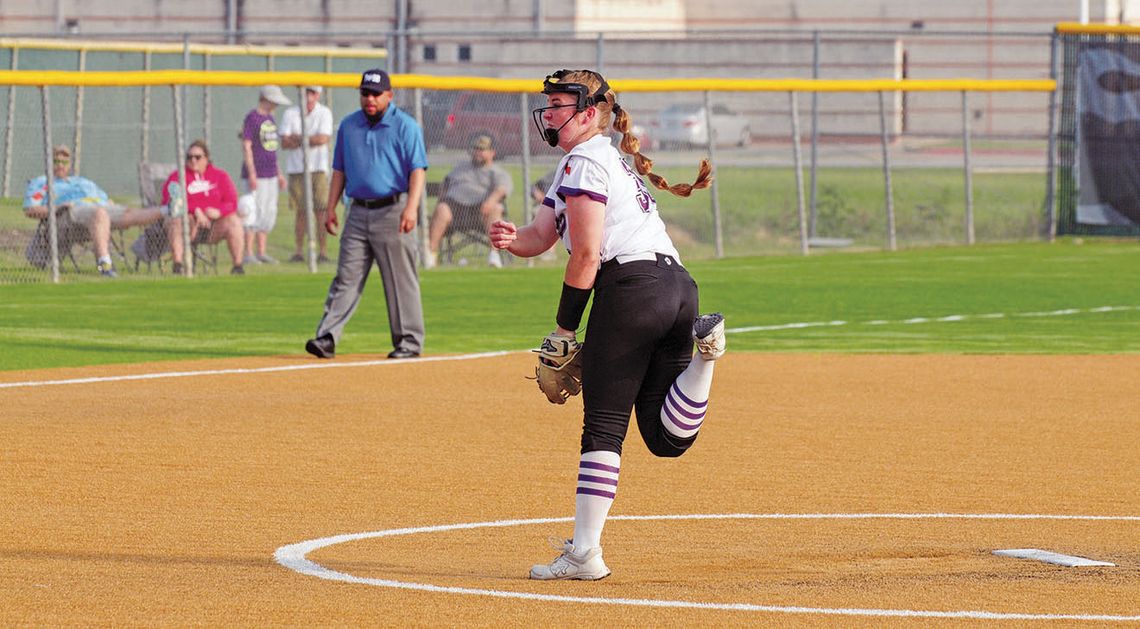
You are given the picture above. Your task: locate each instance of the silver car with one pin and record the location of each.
(684, 124)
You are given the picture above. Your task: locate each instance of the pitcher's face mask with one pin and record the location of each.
(582, 99)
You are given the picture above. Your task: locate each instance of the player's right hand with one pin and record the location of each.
(502, 234)
(332, 226)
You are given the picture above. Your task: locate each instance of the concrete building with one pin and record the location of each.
(982, 39)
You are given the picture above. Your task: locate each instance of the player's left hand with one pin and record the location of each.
(558, 372)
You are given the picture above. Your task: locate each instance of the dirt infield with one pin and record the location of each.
(162, 501)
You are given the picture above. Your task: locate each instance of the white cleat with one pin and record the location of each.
(583, 565)
(708, 332)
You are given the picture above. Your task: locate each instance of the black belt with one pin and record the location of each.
(372, 204)
(662, 260)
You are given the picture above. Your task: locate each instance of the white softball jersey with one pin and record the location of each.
(632, 225)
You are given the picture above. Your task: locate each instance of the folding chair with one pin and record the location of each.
(69, 235)
(465, 231)
(152, 244)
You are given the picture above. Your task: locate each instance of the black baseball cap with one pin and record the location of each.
(376, 80)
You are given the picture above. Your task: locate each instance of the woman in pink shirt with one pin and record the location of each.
(212, 202)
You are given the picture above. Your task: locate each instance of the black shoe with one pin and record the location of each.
(238, 270)
(297, 258)
(403, 353)
(323, 259)
(323, 347)
(176, 268)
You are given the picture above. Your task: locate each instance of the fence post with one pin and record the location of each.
(524, 152)
(814, 134)
(146, 112)
(8, 129)
(1051, 156)
(799, 160)
(183, 200)
(307, 178)
(715, 196)
(207, 101)
(77, 144)
(968, 168)
(328, 93)
(600, 52)
(180, 93)
(389, 59)
(891, 245)
(421, 220)
(49, 200)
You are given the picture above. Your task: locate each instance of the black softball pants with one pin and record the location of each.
(638, 340)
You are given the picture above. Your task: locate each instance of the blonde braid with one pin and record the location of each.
(630, 144)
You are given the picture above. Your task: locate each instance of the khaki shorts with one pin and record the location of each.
(320, 191)
(83, 213)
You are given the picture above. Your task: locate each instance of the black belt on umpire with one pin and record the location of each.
(373, 204)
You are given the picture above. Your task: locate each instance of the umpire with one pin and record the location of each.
(379, 161)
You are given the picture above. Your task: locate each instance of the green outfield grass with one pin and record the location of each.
(139, 318)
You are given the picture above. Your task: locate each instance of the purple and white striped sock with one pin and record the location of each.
(684, 409)
(597, 486)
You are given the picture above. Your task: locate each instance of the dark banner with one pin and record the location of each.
(1106, 166)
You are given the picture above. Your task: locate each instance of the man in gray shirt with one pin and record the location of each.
(472, 194)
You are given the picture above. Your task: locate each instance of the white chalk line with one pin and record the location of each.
(239, 370)
(293, 557)
(373, 363)
(943, 319)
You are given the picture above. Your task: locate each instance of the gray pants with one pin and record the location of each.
(374, 235)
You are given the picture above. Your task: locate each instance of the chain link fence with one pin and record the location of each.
(855, 180)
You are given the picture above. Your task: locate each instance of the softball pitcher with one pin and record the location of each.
(638, 354)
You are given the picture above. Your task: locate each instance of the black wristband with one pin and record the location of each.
(571, 306)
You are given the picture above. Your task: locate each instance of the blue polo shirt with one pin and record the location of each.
(377, 161)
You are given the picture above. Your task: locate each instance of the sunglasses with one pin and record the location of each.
(195, 156)
(372, 93)
(59, 162)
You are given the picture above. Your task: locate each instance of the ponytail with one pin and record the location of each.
(631, 145)
(607, 105)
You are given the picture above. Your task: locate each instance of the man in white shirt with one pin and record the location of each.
(318, 128)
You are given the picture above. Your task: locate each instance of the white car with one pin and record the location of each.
(685, 124)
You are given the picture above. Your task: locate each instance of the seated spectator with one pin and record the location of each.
(212, 204)
(472, 193)
(84, 211)
(541, 185)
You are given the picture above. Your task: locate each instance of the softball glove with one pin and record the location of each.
(558, 372)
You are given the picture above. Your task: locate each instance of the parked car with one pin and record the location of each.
(498, 115)
(436, 105)
(685, 124)
(640, 132)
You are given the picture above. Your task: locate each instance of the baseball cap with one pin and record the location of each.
(376, 80)
(317, 89)
(273, 94)
(483, 142)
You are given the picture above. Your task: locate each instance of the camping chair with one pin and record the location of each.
(465, 231)
(153, 244)
(69, 235)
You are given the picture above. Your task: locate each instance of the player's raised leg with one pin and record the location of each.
(685, 405)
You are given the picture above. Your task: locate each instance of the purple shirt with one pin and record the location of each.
(261, 130)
